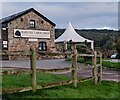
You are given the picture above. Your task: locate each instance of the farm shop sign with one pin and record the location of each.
(31, 33)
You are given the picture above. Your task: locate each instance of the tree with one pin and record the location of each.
(117, 46)
(105, 42)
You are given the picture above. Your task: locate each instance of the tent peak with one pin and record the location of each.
(70, 25)
(70, 34)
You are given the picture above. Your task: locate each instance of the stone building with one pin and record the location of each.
(27, 29)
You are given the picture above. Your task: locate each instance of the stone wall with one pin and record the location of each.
(22, 44)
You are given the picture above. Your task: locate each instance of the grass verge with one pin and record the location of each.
(107, 64)
(84, 90)
(113, 65)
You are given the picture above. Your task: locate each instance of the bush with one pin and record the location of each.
(88, 58)
(88, 62)
(118, 56)
(81, 60)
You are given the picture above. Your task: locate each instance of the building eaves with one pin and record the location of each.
(14, 16)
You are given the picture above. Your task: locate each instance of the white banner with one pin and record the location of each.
(31, 33)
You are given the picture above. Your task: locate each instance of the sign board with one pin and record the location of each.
(32, 39)
(31, 33)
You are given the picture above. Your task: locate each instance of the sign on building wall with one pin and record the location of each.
(31, 33)
(32, 39)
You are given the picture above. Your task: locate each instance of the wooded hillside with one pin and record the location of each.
(103, 38)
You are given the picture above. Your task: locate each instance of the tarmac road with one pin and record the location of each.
(109, 75)
(83, 70)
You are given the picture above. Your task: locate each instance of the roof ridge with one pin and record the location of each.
(13, 16)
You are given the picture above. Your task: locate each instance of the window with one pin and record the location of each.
(4, 29)
(42, 46)
(5, 44)
(32, 23)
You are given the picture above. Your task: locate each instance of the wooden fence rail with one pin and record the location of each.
(54, 53)
(56, 70)
(96, 76)
(44, 86)
(19, 71)
(15, 53)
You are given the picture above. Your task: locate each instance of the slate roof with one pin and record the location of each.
(14, 16)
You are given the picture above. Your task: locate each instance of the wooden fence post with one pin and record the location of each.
(33, 69)
(95, 67)
(93, 57)
(100, 69)
(74, 66)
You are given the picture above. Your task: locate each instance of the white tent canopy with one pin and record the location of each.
(71, 34)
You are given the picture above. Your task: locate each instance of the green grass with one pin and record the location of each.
(107, 64)
(84, 90)
(22, 80)
(114, 65)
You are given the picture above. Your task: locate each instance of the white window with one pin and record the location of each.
(5, 44)
(32, 23)
(3, 28)
(42, 46)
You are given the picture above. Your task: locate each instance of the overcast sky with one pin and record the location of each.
(81, 14)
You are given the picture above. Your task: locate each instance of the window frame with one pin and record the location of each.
(5, 44)
(32, 23)
(43, 46)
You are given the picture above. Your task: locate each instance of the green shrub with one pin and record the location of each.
(118, 56)
(88, 62)
(81, 60)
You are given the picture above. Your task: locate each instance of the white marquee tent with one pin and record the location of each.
(71, 34)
